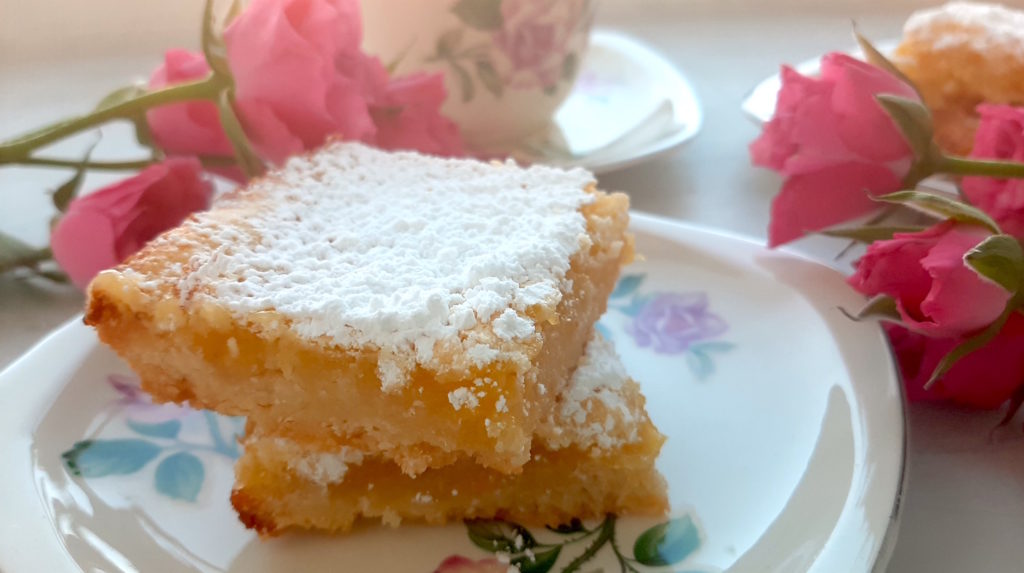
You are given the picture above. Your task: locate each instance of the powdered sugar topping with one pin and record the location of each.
(600, 379)
(978, 25)
(401, 252)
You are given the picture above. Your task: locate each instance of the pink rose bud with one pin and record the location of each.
(188, 128)
(1000, 135)
(936, 293)
(835, 145)
(103, 228)
(985, 378)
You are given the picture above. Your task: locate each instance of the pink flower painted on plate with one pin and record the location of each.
(670, 323)
(139, 406)
(460, 564)
(536, 37)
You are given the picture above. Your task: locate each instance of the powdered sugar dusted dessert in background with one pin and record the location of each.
(959, 55)
(426, 307)
(595, 455)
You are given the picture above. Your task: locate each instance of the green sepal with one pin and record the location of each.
(213, 44)
(876, 58)
(1000, 259)
(942, 207)
(882, 307)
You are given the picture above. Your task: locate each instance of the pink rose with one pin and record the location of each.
(300, 78)
(460, 564)
(834, 144)
(103, 228)
(1000, 135)
(936, 292)
(406, 116)
(985, 378)
(535, 36)
(300, 75)
(190, 128)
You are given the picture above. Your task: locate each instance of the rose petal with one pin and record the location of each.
(817, 200)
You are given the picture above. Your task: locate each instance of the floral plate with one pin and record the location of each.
(784, 453)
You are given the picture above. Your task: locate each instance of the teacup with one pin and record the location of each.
(508, 64)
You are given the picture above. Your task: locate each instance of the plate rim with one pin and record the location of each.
(642, 222)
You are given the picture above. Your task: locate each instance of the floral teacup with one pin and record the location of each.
(508, 64)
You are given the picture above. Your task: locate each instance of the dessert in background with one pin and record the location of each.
(960, 55)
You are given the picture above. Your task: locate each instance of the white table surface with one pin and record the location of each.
(964, 507)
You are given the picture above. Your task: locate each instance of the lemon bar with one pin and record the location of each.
(959, 55)
(593, 455)
(429, 308)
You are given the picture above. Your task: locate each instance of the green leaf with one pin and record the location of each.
(539, 563)
(69, 189)
(1000, 259)
(465, 81)
(877, 59)
(713, 346)
(98, 458)
(668, 543)
(180, 476)
(942, 207)
(480, 14)
(489, 77)
(121, 95)
(127, 93)
(870, 234)
(213, 45)
(168, 429)
(499, 536)
(570, 65)
(247, 158)
(700, 364)
(627, 285)
(881, 306)
(914, 121)
(449, 42)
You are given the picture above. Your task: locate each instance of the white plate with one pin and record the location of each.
(784, 422)
(759, 105)
(629, 105)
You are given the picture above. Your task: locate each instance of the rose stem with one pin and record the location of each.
(20, 147)
(207, 161)
(984, 167)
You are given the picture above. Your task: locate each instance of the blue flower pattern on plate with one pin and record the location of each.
(179, 472)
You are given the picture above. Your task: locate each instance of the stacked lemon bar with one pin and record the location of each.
(409, 337)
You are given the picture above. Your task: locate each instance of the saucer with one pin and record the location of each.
(629, 105)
